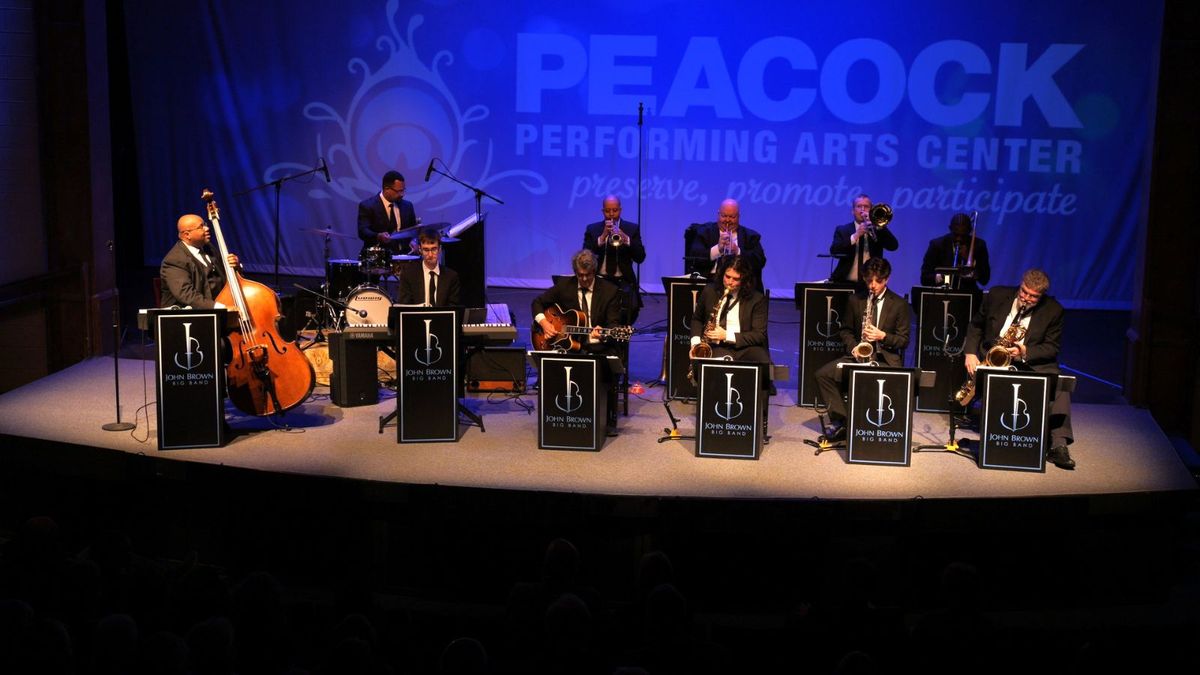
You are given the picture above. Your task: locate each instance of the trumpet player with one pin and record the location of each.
(858, 241)
(1037, 350)
(617, 244)
(738, 313)
(880, 318)
(719, 242)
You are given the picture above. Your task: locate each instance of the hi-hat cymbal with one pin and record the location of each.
(327, 232)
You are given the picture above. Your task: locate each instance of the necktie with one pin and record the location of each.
(724, 310)
(875, 310)
(583, 304)
(432, 288)
(395, 216)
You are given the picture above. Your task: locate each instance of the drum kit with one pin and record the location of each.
(362, 286)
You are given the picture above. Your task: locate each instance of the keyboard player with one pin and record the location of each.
(428, 282)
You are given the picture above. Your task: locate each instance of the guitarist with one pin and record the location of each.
(598, 301)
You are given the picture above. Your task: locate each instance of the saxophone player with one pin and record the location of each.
(1042, 318)
(879, 317)
(739, 313)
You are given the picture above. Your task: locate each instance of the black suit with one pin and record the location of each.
(413, 283)
(186, 282)
(884, 239)
(706, 235)
(750, 342)
(622, 256)
(895, 319)
(374, 218)
(941, 254)
(1042, 341)
(605, 309)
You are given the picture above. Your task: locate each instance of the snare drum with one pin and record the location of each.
(371, 300)
(375, 260)
(344, 275)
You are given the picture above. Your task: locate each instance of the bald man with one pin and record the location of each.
(191, 274)
(726, 238)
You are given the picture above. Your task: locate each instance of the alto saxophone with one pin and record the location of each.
(703, 349)
(996, 357)
(864, 351)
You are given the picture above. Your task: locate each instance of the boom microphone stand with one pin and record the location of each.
(278, 185)
(116, 324)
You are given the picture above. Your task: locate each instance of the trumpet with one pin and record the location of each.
(880, 216)
(613, 227)
(725, 243)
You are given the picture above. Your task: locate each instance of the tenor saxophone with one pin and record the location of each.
(703, 349)
(864, 351)
(996, 357)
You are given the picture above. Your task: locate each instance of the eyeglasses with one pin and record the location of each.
(1031, 295)
(192, 229)
(399, 192)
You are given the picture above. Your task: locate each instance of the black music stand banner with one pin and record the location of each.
(1014, 423)
(942, 322)
(682, 294)
(572, 400)
(729, 408)
(822, 314)
(190, 377)
(881, 410)
(427, 354)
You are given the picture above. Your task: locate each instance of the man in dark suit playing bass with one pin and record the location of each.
(879, 318)
(191, 274)
(428, 282)
(1042, 318)
(384, 213)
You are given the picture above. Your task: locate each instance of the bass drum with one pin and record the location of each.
(367, 306)
(344, 276)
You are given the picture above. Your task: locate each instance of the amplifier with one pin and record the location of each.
(496, 369)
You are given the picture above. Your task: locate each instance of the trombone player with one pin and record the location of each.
(876, 329)
(959, 249)
(863, 239)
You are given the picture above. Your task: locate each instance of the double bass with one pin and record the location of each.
(267, 374)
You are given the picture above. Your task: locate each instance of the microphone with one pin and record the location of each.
(325, 170)
(429, 171)
(639, 113)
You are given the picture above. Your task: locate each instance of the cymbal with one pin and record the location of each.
(404, 256)
(327, 232)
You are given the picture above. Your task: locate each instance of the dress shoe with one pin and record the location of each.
(836, 432)
(1060, 457)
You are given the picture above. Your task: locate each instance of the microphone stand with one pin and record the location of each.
(116, 324)
(479, 194)
(278, 185)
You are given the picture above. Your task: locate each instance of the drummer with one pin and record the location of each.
(383, 214)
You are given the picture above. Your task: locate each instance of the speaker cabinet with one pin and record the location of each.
(496, 369)
(353, 380)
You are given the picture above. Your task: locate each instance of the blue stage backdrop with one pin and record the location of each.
(1039, 115)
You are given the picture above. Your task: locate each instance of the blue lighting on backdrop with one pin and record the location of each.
(1039, 115)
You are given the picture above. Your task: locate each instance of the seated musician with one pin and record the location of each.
(384, 213)
(428, 282)
(596, 299)
(722, 240)
(741, 334)
(1037, 349)
(617, 244)
(191, 274)
(886, 331)
(954, 250)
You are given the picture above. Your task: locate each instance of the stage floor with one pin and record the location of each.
(1119, 449)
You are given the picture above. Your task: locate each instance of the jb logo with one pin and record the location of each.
(192, 356)
(948, 331)
(432, 353)
(1018, 419)
(572, 399)
(733, 401)
(884, 412)
(833, 321)
(685, 319)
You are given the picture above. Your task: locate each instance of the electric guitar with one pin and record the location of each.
(569, 325)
